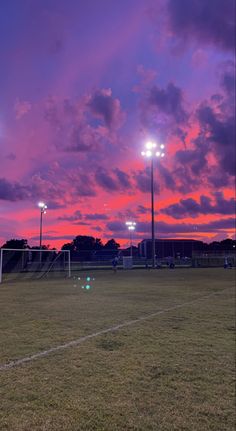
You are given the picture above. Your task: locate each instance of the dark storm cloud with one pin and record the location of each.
(164, 228)
(72, 122)
(84, 185)
(116, 226)
(185, 180)
(76, 216)
(213, 226)
(57, 188)
(104, 106)
(142, 210)
(194, 160)
(143, 181)
(191, 208)
(220, 131)
(12, 191)
(169, 101)
(228, 82)
(123, 178)
(95, 216)
(167, 177)
(104, 180)
(204, 21)
(218, 179)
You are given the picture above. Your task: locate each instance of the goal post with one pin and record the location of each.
(33, 263)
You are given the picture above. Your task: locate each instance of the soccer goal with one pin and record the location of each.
(17, 264)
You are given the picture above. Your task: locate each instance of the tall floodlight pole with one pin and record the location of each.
(131, 227)
(43, 208)
(153, 150)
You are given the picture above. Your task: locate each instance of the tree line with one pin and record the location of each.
(80, 242)
(89, 243)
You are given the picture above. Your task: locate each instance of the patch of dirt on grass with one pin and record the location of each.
(109, 344)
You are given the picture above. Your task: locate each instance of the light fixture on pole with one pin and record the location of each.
(131, 227)
(153, 150)
(43, 208)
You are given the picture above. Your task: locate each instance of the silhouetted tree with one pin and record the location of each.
(214, 246)
(82, 247)
(44, 247)
(83, 242)
(112, 245)
(98, 245)
(68, 246)
(227, 244)
(16, 243)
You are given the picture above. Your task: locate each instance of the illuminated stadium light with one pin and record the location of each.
(41, 204)
(131, 227)
(149, 150)
(43, 208)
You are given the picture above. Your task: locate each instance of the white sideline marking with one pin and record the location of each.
(103, 331)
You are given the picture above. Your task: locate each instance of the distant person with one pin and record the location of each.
(227, 264)
(115, 263)
(171, 262)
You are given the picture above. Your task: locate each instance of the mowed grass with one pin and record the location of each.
(173, 371)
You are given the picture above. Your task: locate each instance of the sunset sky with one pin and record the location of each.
(84, 84)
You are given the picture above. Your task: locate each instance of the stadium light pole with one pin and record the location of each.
(151, 151)
(131, 227)
(43, 208)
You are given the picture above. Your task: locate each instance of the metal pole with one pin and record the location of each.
(40, 234)
(41, 226)
(69, 264)
(1, 264)
(153, 220)
(131, 251)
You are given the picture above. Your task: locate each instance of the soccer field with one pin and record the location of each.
(141, 350)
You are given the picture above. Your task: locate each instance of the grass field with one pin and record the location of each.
(173, 370)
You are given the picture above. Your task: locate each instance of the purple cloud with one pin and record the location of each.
(12, 191)
(205, 22)
(143, 181)
(167, 177)
(76, 216)
(103, 106)
(142, 210)
(163, 228)
(104, 180)
(169, 102)
(83, 138)
(123, 179)
(95, 216)
(191, 208)
(228, 82)
(219, 131)
(11, 156)
(194, 160)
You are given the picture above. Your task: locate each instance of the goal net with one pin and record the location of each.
(20, 264)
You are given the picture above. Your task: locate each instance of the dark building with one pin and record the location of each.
(170, 247)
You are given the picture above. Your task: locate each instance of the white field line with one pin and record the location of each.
(74, 343)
